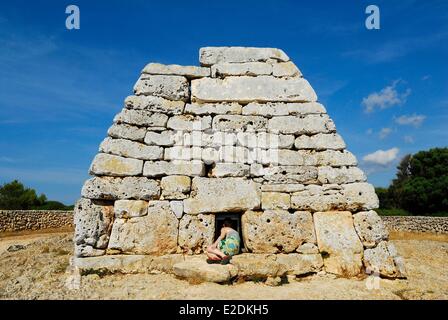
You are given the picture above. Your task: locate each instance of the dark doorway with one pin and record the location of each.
(236, 224)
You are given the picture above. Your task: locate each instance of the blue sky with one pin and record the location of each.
(387, 89)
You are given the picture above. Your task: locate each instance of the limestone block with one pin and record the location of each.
(301, 264)
(246, 89)
(299, 109)
(189, 123)
(308, 248)
(234, 154)
(239, 123)
(258, 266)
(165, 168)
(168, 87)
(370, 228)
(198, 269)
(130, 149)
(166, 138)
(178, 208)
(125, 131)
(155, 104)
(380, 260)
(213, 108)
(183, 153)
(288, 187)
(320, 141)
(275, 231)
(360, 195)
(210, 156)
(285, 69)
(275, 200)
(141, 118)
(175, 187)
(85, 251)
(318, 198)
(190, 72)
(93, 221)
(291, 174)
(221, 70)
(110, 188)
(335, 158)
(222, 170)
(196, 232)
(340, 175)
(213, 55)
(222, 195)
(269, 109)
(338, 242)
(310, 124)
(154, 234)
(126, 209)
(264, 140)
(110, 165)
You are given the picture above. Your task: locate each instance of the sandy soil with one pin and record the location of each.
(41, 271)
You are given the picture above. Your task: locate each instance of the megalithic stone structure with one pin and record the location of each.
(241, 136)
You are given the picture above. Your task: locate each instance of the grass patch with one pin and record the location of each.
(392, 212)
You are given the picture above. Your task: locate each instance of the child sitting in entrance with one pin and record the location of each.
(227, 244)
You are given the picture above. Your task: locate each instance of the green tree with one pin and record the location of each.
(15, 196)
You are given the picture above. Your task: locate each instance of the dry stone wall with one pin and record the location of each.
(243, 133)
(21, 220)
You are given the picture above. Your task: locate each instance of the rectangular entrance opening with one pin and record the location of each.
(236, 224)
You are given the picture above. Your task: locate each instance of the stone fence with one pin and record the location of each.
(417, 224)
(20, 220)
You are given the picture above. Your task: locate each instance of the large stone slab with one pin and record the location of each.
(332, 141)
(126, 131)
(131, 149)
(370, 228)
(380, 260)
(360, 195)
(239, 123)
(175, 187)
(258, 266)
(166, 138)
(318, 198)
(93, 221)
(166, 168)
(110, 165)
(290, 174)
(110, 188)
(285, 69)
(188, 122)
(196, 232)
(310, 124)
(141, 118)
(246, 89)
(223, 170)
(330, 175)
(338, 242)
(154, 234)
(198, 270)
(155, 104)
(276, 231)
(213, 55)
(301, 264)
(221, 70)
(168, 87)
(189, 72)
(213, 108)
(222, 195)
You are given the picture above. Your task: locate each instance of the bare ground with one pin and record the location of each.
(41, 271)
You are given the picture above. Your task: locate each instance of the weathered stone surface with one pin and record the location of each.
(110, 165)
(310, 124)
(301, 264)
(93, 221)
(178, 208)
(141, 118)
(125, 131)
(154, 234)
(370, 228)
(317, 198)
(235, 154)
(269, 109)
(285, 69)
(290, 174)
(338, 242)
(264, 140)
(155, 104)
(275, 231)
(213, 108)
(308, 248)
(168, 87)
(213, 55)
(299, 109)
(126, 209)
(210, 156)
(340, 175)
(222, 195)
(183, 153)
(275, 200)
(196, 232)
(241, 69)
(379, 260)
(239, 123)
(288, 187)
(335, 158)
(189, 72)
(165, 138)
(175, 187)
(213, 139)
(197, 269)
(165, 168)
(257, 266)
(189, 123)
(332, 141)
(360, 195)
(131, 149)
(247, 89)
(110, 188)
(222, 170)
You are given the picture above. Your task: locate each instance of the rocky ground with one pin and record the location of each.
(41, 270)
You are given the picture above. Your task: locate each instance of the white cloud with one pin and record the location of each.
(386, 98)
(385, 132)
(382, 157)
(413, 120)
